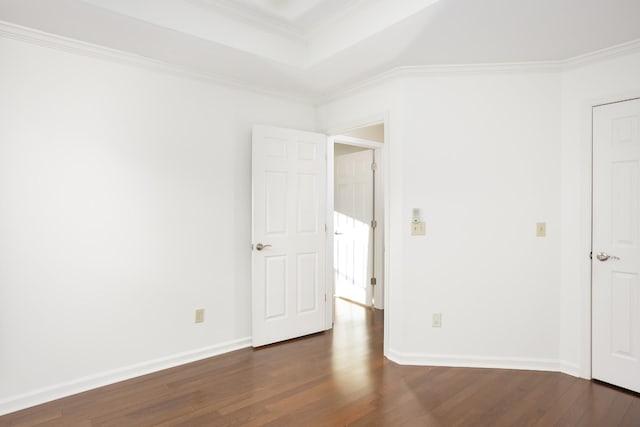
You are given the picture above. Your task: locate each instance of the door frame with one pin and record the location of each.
(586, 245)
(378, 149)
(385, 169)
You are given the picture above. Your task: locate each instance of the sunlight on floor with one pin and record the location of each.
(351, 349)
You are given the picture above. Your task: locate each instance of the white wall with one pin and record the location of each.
(124, 206)
(342, 149)
(479, 154)
(485, 156)
(372, 133)
(484, 168)
(584, 86)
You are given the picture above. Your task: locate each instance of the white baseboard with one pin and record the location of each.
(79, 385)
(570, 369)
(529, 364)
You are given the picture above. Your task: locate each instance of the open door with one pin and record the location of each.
(289, 234)
(353, 220)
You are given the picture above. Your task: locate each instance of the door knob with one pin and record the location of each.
(603, 256)
(260, 246)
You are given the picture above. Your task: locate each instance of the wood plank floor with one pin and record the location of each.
(334, 379)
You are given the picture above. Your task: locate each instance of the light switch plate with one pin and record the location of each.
(541, 229)
(199, 315)
(418, 228)
(436, 320)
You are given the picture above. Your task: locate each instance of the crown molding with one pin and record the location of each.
(40, 38)
(622, 49)
(440, 70)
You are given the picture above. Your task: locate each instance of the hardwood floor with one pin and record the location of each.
(333, 379)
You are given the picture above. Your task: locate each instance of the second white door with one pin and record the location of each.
(353, 213)
(616, 244)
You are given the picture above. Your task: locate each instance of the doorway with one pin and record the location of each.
(358, 216)
(282, 158)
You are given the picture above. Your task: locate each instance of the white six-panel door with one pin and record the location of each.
(353, 212)
(616, 244)
(289, 198)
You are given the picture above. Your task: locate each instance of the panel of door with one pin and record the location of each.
(353, 212)
(616, 244)
(288, 257)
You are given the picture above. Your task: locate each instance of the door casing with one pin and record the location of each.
(384, 153)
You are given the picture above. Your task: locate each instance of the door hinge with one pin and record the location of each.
(374, 166)
(373, 281)
(374, 223)
(591, 255)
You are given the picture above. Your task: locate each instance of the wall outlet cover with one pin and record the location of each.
(418, 228)
(436, 320)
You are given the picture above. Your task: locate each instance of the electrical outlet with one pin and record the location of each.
(199, 315)
(541, 229)
(436, 320)
(418, 228)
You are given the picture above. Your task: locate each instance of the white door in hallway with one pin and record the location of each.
(288, 234)
(353, 212)
(616, 244)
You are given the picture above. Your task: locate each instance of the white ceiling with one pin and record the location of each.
(301, 16)
(310, 48)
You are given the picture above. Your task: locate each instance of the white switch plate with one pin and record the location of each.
(541, 229)
(418, 228)
(436, 320)
(199, 315)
